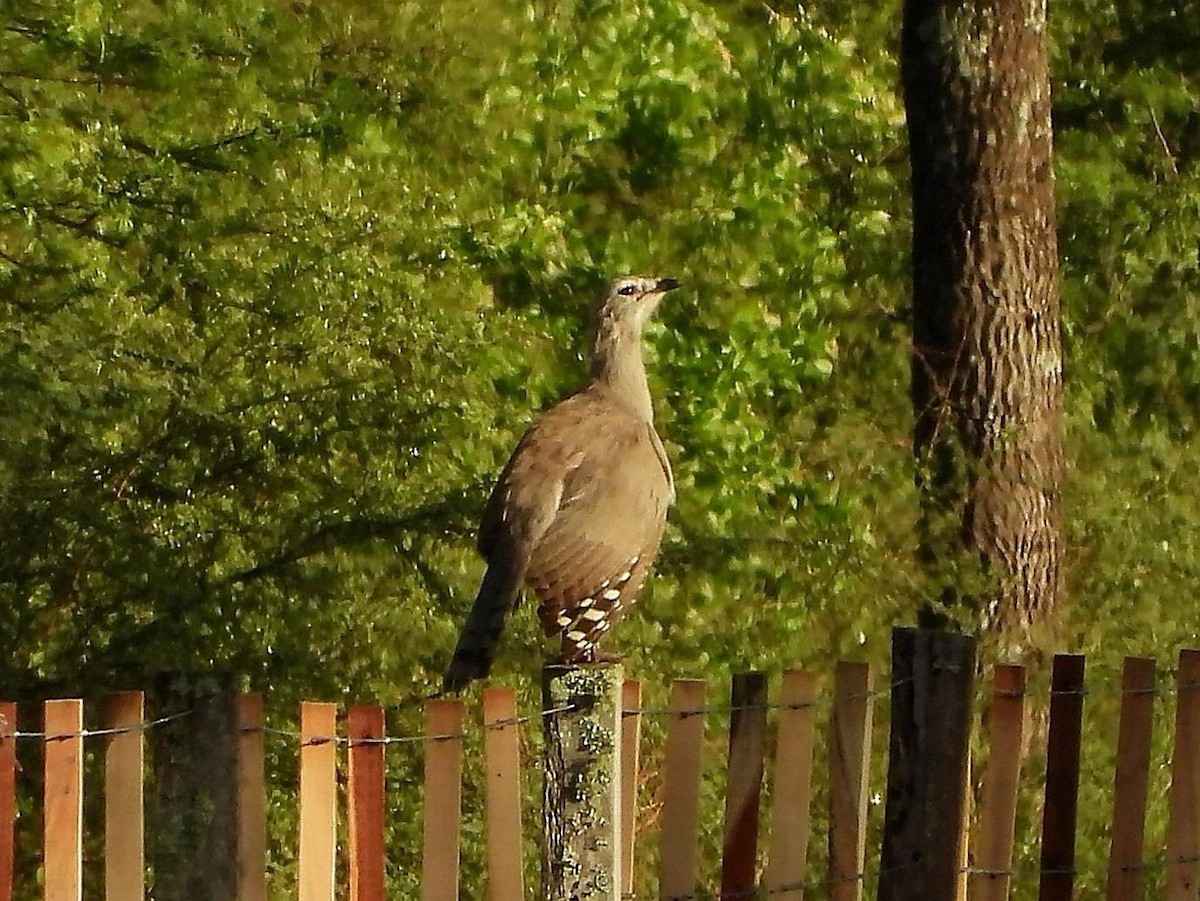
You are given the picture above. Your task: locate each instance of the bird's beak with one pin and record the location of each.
(666, 284)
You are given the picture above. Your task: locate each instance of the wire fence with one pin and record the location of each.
(1167, 688)
(1167, 683)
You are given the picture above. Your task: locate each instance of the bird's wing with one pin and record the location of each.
(581, 504)
(605, 534)
(524, 502)
(530, 489)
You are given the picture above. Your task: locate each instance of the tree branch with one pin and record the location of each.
(359, 531)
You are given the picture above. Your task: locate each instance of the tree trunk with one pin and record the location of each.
(987, 344)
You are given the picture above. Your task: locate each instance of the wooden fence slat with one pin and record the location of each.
(502, 754)
(678, 847)
(251, 799)
(991, 878)
(443, 800)
(63, 800)
(1131, 781)
(849, 762)
(792, 787)
(631, 738)
(365, 727)
(964, 831)
(318, 800)
(124, 817)
(8, 797)
(1183, 818)
(928, 747)
(1059, 813)
(747, 739)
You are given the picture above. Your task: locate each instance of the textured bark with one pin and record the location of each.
(987, 345)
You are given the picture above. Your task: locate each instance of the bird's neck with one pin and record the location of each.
(618, 367)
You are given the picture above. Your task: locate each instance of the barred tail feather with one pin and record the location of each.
(477, 644)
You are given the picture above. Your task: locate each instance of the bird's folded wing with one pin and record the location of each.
(585, 493)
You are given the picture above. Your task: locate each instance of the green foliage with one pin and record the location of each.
(281, 284)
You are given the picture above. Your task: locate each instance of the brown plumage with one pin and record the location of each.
(579, 511)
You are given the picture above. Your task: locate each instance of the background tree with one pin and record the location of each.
(987, 349)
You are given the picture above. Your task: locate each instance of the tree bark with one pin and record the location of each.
(987, 344)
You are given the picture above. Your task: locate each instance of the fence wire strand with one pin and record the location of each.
(143, 726)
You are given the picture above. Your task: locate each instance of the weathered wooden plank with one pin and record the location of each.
(318, 800)
(792, 789)
(63, 800)
(8, 797)
(929, 745)
(747, 743)
(443, 800)
(502, 754)
(849, 763)
(1183, 818)
(124, 805)
(1060, 811)
(365, 729)
(1131, 780)
(991, 877)
(678, 846)
(251, 799)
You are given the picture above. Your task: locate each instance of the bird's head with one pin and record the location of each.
(631, 300)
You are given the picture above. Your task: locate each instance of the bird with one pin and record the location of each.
(578, 512)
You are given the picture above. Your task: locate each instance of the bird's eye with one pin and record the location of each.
(626, 289)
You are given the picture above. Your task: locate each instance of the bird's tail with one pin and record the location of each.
(477, 644)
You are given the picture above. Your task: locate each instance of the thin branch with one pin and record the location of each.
(1162, 139)
(359, 531)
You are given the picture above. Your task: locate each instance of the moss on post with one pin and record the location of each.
(581, 855)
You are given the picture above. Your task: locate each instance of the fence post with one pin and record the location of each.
(365, 789)
(318, 801)
(747, 740)
(252, 799)
(443, 800)
(8, 796)
(792, 788)
(195, 778)
(582, 794)
(932, 674)
(1131, 781)
(124, 816)
(502, 794)
(62, 824)
(1061, 805)
(679, 850)
(1183, 812)
(1001, 785)
(849, 768)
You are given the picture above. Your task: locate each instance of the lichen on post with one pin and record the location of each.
(581, 855)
